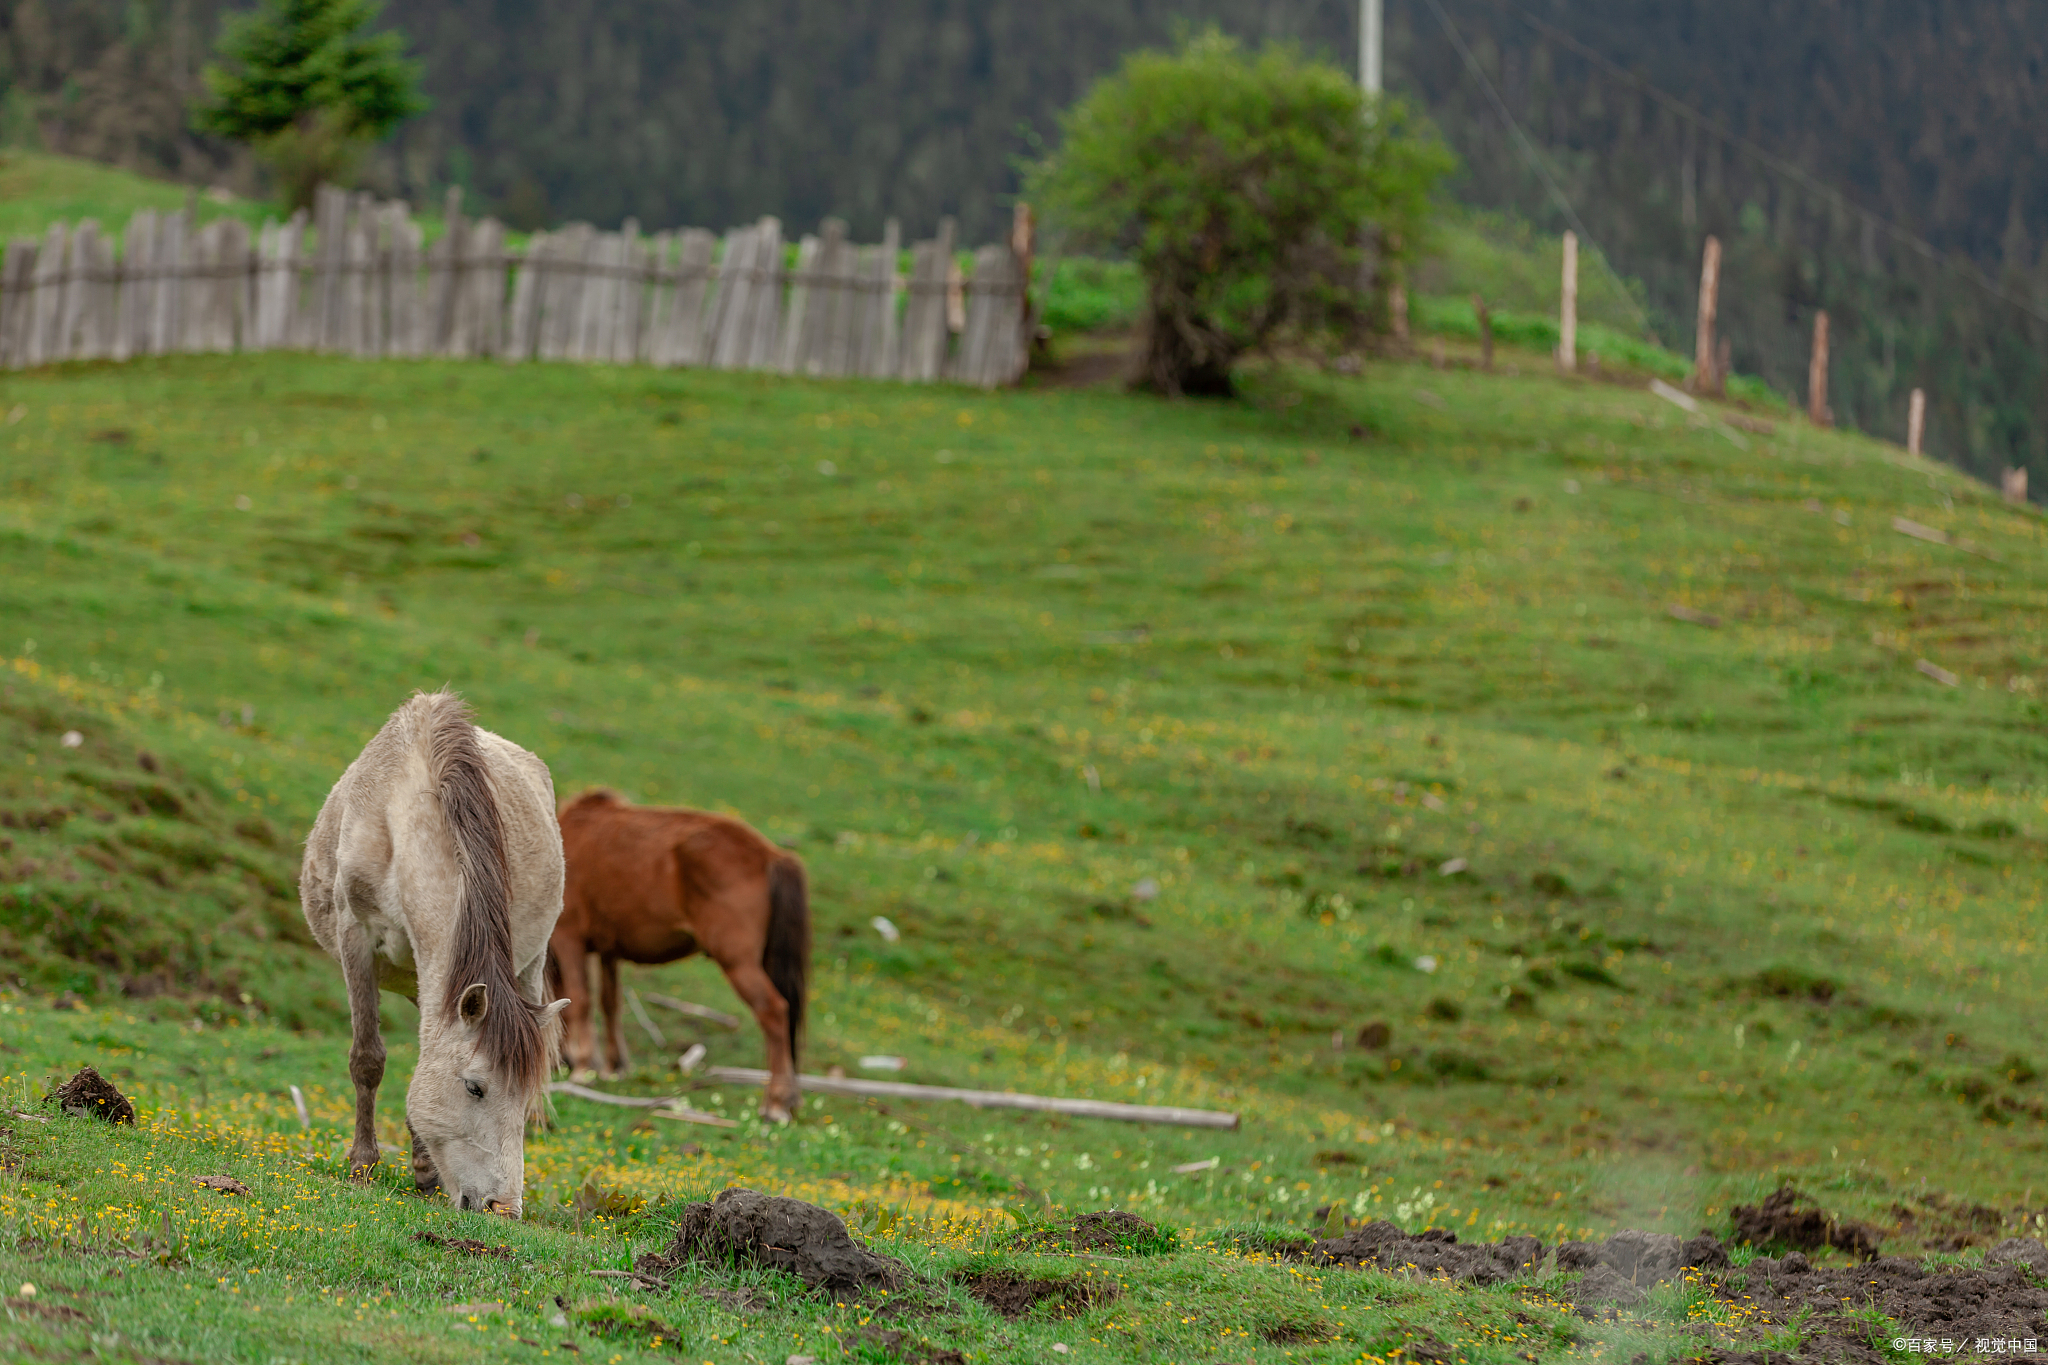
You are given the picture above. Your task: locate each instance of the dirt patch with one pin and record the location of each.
(1110, 1232)
(1787, 1219)
(55, 1312)
(225, 1184)
(745, 1227)
(1942, 1224)
(1431, 1252)
(1296, 1333)
(1931, 1309)
(468, 1246)
(91, 1095)
(1013, 1295)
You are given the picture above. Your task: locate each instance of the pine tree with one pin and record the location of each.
(309, 85)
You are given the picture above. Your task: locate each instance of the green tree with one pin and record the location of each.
(308, 85)
(1248, 188)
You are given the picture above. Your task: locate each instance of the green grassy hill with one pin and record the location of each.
(1603, 755)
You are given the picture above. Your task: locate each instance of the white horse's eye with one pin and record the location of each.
(475, 1088)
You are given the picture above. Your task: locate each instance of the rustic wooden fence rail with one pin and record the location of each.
(363, 282)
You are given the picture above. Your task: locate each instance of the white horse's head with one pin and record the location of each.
(468, 1107)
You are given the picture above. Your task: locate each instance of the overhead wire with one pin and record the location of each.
(1535, 160)
(1782, 166)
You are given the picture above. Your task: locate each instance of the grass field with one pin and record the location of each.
(1376, 680)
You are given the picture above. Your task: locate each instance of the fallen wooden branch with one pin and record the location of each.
(694, 1011)
(640, 1281)
(990, 1099)
(1908, 527)
(1937, 672)
(1679, 612)
(664, 1106)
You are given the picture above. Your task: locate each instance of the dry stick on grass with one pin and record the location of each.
(1937, 672)
(1934, 534)
(1679, 612)
(640, 1013)
(662, 1106)
(991, 1099)
(694, 1011)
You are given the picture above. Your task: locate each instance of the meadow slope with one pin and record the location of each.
(1585, 747)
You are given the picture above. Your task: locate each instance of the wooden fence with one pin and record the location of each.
(362, 283)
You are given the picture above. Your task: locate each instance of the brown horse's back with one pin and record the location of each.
(640, 878)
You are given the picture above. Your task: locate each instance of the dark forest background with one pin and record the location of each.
(1925, 114)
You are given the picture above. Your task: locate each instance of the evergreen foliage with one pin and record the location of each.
(306, 81)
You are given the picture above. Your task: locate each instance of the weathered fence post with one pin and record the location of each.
(2014, 485)
(1485, 316)
(1568, 307)
(1710, 295)
(1916, 421)
(1817, 411)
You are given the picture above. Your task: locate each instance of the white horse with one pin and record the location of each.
(435, 871)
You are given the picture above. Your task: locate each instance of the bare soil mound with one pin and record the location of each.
(91, 1095)
(1013, 1295)
(1937, 1309)
(745, 1227)
(1787, 1219)
(1433, 1251)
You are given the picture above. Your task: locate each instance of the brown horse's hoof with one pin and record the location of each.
(772, 1112)
(362, 1163)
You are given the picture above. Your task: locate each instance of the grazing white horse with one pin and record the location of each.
(435, 871)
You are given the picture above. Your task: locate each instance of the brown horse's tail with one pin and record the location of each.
(787, 957)
(511, 1037)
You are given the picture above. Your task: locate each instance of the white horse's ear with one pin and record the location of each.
(550, 1013)
(474, 1005)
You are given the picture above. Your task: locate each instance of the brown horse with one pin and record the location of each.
(651, 884)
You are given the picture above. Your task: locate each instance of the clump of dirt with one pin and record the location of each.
(1943, 1224)
(467, 1245)
(1013, 1295)
(2026, 1251)
(1929, 1304)
(1108, 1232)
(91, 1095)
(1786, 1219)
(1433, 1251)
(746, 1227)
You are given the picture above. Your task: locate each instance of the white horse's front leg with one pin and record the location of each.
(366, 1044)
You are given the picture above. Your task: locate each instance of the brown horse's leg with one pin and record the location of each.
(425, 1178)
(608, 996)
(578, 1048)
(366, 1043)
(771, 1012)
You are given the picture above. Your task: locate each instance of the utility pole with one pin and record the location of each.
(1369, 26)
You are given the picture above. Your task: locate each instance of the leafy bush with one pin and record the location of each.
(1240, 185)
